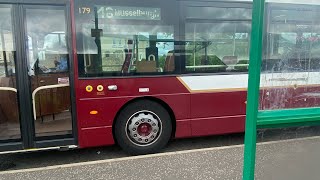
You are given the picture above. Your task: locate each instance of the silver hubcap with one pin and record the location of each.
(143, 128)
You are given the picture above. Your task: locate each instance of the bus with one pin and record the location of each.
(80, 74)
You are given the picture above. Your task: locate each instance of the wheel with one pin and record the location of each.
(143, 127)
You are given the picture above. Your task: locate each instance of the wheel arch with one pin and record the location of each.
(150, 98)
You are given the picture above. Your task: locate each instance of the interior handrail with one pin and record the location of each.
(8, 89)
(42, 88)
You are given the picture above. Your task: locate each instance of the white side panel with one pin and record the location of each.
(214, 82)
(240, 81)
(290, 79)
(309, 2)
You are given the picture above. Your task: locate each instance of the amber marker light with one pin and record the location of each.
(89, 88)
(100, 88)
(93, 112)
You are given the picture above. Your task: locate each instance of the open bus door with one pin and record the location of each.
(35, 65)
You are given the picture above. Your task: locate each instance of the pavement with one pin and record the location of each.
(294, 159)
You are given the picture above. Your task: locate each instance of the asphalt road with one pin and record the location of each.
(294, 159)
(52, 158)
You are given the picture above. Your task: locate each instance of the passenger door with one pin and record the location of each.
(10, 131)
(35, 106)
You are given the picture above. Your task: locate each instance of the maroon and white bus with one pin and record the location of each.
(79, 73)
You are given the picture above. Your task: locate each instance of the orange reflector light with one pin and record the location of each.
(93, 112)
(89, 88)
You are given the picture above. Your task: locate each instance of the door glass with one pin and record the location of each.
(48, 69)
(9, 113)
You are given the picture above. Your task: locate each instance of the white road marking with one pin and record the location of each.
(150, 156)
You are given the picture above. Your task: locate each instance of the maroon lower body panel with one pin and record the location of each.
(95, 136)
(183, 129)
(217, 125)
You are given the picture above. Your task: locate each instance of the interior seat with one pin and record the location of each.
(169, 65)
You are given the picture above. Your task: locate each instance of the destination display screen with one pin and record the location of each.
(123, 12)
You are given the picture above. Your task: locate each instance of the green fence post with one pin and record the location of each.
(253, 89)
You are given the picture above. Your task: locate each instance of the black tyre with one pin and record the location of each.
(143, 127)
